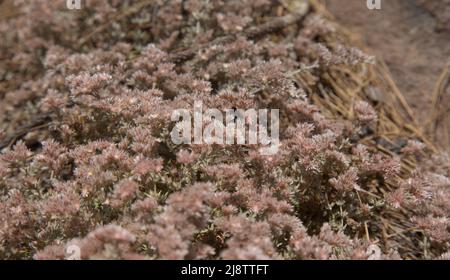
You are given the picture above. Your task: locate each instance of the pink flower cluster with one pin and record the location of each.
(106, 177)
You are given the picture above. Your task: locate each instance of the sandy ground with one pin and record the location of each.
(408, 37)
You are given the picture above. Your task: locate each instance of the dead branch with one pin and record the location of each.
(250, 33)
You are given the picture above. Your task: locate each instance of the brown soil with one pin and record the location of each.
(413, 38)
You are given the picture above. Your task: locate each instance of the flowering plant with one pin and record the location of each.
(101, 172)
